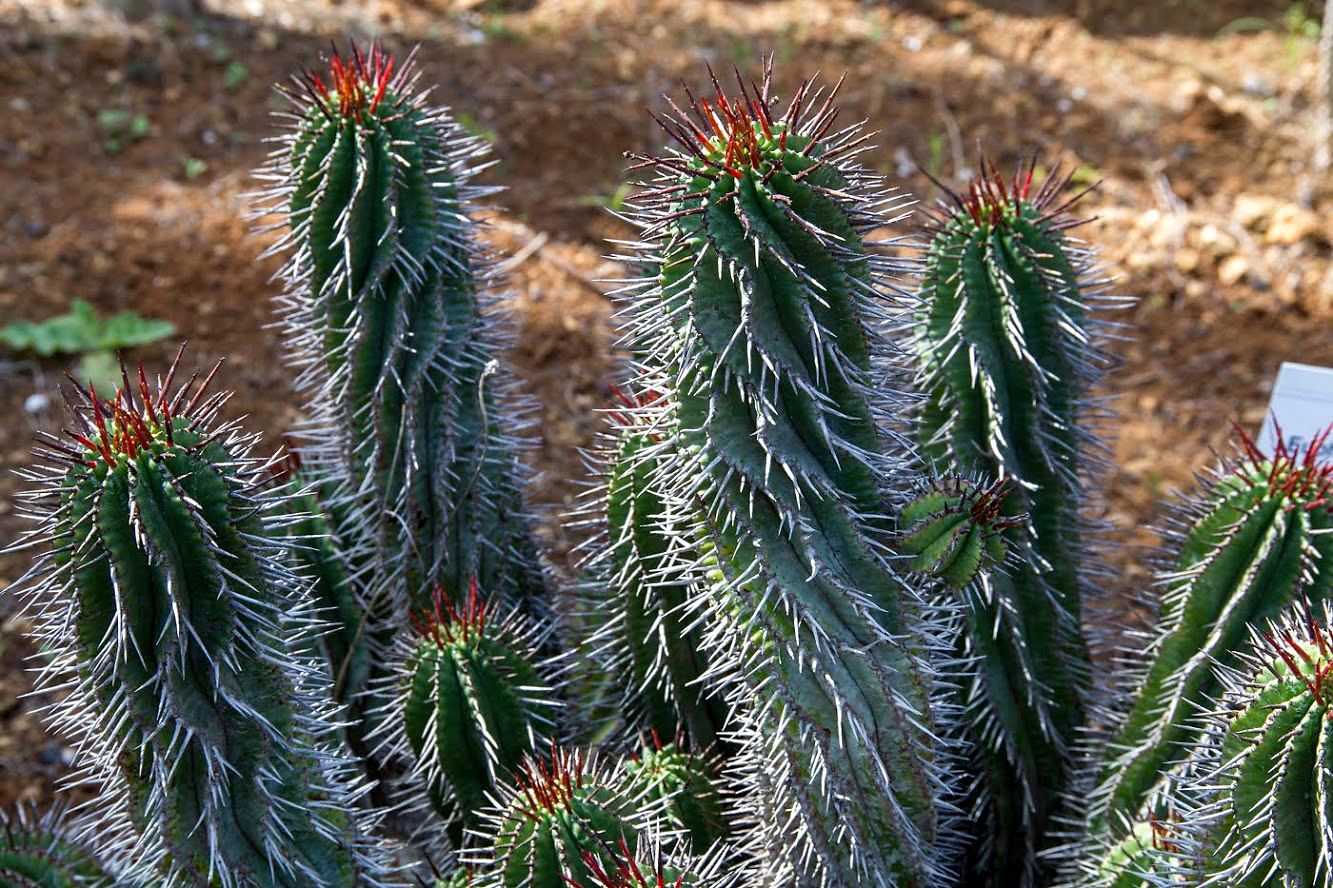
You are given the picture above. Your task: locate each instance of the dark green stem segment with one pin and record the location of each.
(190, 639)
(1006, 359)
(1260, 538)
(656, 656)
(388, 272)
(40, 852)
(473, 705)
(565, 818)
(410, 437)
(758, 326)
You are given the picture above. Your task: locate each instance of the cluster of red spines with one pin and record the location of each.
(289, 465)
(1163, 834)
(984, 504)
(1298, 478)
(721, 134)
(634, 401)
(122, 427)
(358, 83)
(1291, 650)
(446, 623)
(988, 503)
(989, 196)
(546, 786)
(625, 874)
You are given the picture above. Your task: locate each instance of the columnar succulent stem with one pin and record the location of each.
(168, 597)
(760, 327)
(48, 852)
(1256, 795)
(641, 586)
(1260, 537)
(471, 702)
(1007, 357)
(386, 307)
(562, 819)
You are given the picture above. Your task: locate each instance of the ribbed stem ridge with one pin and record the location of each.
(639, 589)
(167, 604)
(688, 785)
(760, 328)
(560, 820)
(48, 852)
(1252, 806)
(1007, 355)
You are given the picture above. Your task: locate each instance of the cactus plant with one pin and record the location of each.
(561, 813)
(472, 701)
(954, 529)
(687, 784)
(168, 603)
(387, 306)
(641, 586)
(1254, 794)
(865, 636)
(168, 610)
(1142, 858)
(1260, 536)
(50, 852)
(1007, 354)
(761, 327)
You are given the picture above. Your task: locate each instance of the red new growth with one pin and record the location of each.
(358, 84)
(446, 623)
(122, 427)
(988, 197)
(547, 787)
(625, 874)
(1299, 478)
(1295, 651)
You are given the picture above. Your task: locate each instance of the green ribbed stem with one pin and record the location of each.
(1261, 537)
(560, 813)
(39, 853)
(656, 657)
(196, 697)
(1006, 358)
(385, 302)
(759, 327)
(1264, 796)
(687, 785)
(317, 557)
(1135, 861)
(473, 705)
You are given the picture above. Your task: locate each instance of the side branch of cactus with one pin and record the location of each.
(762, 328)
(54, 851)
(639, 587)
(1251, 803)
(559, 820)
(168, 609)
(471, 698)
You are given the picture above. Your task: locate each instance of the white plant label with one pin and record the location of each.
(1302, 404)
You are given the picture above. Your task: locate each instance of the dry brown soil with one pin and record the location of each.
(1194, 114)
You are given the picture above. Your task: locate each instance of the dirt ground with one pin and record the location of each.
(1194, 114)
